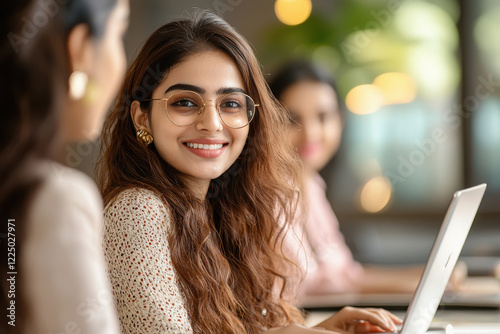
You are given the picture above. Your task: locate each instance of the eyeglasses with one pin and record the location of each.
(185, 107)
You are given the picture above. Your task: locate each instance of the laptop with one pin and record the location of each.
(442, 260)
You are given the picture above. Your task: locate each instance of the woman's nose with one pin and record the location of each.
(210, 120)
(311, 130)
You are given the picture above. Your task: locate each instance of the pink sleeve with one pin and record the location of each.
(328, 262)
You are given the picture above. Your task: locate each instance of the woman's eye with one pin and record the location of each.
(326, 117)
(231, 104)
(184, 103)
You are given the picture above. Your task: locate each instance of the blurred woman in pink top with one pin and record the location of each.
(310, 96)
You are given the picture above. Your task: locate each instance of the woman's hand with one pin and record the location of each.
(361, 320)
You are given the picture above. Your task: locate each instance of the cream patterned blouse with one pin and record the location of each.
(146, 290)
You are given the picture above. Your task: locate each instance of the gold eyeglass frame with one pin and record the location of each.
(202, 108)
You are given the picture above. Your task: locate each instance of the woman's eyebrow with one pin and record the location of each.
(229, 90)
(181, 86)
(199, 90)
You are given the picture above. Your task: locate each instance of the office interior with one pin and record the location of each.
(421, 82)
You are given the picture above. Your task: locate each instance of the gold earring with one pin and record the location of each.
(78, 82)
(144, 137)
(81, 87)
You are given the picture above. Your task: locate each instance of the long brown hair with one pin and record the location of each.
(227, 249)
(33, 87)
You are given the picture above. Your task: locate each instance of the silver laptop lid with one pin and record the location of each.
(442, 259)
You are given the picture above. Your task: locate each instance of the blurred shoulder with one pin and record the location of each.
(66, 180)
(64, 187)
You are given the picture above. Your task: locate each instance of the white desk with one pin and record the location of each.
(463, 321)
(468, 318)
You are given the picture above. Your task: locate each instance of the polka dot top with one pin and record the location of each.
(145, 286)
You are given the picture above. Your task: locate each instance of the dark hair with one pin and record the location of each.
(33, 89)
(226, 250)
(300, 71)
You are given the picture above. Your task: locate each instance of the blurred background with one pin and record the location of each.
(421, 84)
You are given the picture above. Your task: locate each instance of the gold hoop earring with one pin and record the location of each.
(78, 82)
(144, 137)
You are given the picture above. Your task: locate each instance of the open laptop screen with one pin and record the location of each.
(442, 259)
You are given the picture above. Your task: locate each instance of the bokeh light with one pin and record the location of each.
(425, 22)
(375, 194)
(396, 87)
(436, 70)
(364, 99)
(292, 12)
(431, 59)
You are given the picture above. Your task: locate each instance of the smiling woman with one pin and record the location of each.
(200, 187)
(184, 120)
(214, 74)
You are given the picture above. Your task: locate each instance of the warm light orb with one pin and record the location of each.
(292, 12)
(396, 87)
(375, 194)
(364, 99)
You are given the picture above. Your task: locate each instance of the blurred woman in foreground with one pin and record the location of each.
(61, 65)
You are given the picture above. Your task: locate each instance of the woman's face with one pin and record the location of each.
(111, 62)
(103, 60)
(204, 150)
(314, 106)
